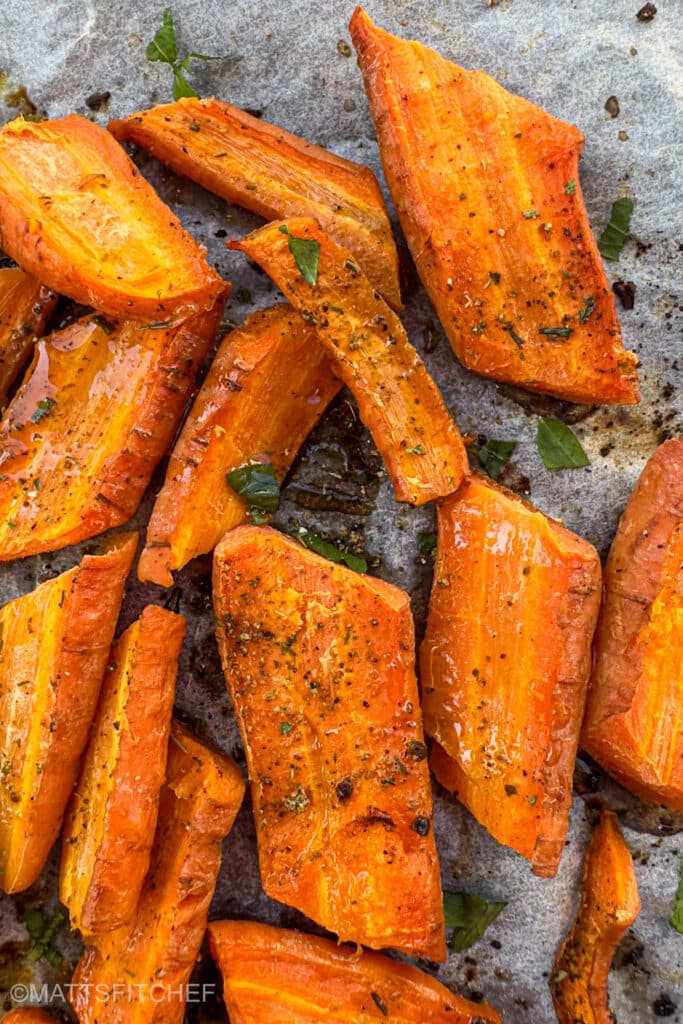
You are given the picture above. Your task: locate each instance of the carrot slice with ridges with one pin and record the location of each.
(397, 399)
(76, 213)
(487, 190)
(146, 965)
(28, 1015)
(83, 435)
(25, 306)
(274, 173)
(54, 645)
(633, 725)
(268, 385)
(109, 827)
(505, 663)
(319, 663)
(609, 906)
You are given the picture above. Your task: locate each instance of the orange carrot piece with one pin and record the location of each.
(109, 827)
(76, 213)
(505, 663)
(268, 386)
(319, 663)
(609, 906)
(286, 977)
(25, 306)
(633, 725)
(28, 1015)
(397, 399)
(83, 435)
(487, 190)
(54, 644)
(266, 169)
(138, 974)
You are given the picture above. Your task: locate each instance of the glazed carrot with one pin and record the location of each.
(138, 973)
(286, 977)
(76, 213)
(266, 169)
(83, 435)
(397, 399)
(109, 827)
(609, 906)
(268, 386)
(25, 306)
(28, 1015)
(633, 725)
(505, 663)
(54, 644)
(487, 190)
(319, 663)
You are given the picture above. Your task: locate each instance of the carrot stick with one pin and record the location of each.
(25, 306)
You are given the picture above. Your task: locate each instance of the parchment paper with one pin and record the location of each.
(569, 56)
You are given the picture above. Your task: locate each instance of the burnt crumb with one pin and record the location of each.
(98, 101)
(496, 944)
(349, 105)
(343, 48)
(221, 233)
(629, 953)
(344, 790)
(646, 13)
(625, 291)
(663, 1005)
(254, 111)
(606, 449)
(612, 106)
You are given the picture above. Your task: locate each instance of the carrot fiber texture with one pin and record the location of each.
(487, 190)
(319, 663)
(25, 307)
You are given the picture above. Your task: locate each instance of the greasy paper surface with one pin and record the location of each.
(569, 58)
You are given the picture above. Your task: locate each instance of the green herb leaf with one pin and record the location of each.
(469, 916)
(556, 332)
(615, 234)
(676, 919)
(163, 46)
(570, 186)
(588, 309)
(313, 540)
(426, 543)
(530, 214)
(306, 253)
(493, 455)
(43, 932)
(45, 407)
(181, 87)
(257, 484)
(35, 923)
(558, 446)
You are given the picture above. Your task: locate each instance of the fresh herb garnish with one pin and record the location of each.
(417, 449)
(676, 919)
(615, 234)
(530, 214)
(43, 931)
(556, 332)
(469, 916)
(570, 186)
(306, 253)
(257, 484)
(515, 337)
(493, 455)
(311, 539)
(426, 542)
(558, 446)
(163, 48)
(45, 407)
(588, 309)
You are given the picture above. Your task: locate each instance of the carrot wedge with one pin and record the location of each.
(268, 386)
(28, 1015)
(397, 399)
(76, 213)
(81, 438)
(275, 174)
(319, 664)
(138, 973)
(486, 187)
(109, 827)
(505, 663)
(633, 725)
(609, 906)
(25, 306)
(54, 644)
(286, 977)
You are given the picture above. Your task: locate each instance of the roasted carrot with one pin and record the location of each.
(633, 725)
(487, 190)
(109, 827)
(267, 387)
(609, 905)
(505, 663)
(76, 213)
(54, 644)
(286, 977)
(83, 435)
(28, 1015)
(266, 169)
(25, 306)
(397, 399)
(137, 974)
(319, 663)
